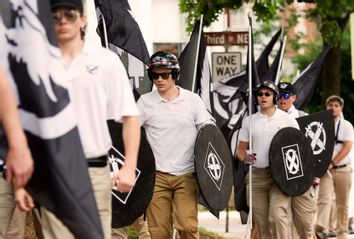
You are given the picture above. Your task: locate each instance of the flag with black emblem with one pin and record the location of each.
(121, 33)
(60, 181)
(228, 104)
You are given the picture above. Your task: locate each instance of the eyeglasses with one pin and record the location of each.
(285, 96)
(70, 16)
(164, 75)
(267, 94)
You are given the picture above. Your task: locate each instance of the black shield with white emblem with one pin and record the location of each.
(127, 207)
(213, 165)
(319, 129)
(290, 161)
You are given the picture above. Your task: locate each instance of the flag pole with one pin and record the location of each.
(280, 66)
(198, 45)
(250, 110)
(100, 16)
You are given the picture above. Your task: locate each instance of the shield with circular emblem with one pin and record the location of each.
(319, 130)
(213, 165)
(290, 161)
(127, 207)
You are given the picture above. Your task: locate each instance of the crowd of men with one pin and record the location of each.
(171, 117)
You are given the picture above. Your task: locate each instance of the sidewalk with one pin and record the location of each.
(209, 222)
(218, 226)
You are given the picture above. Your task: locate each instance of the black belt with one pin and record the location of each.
(340, 166)
(97, 162)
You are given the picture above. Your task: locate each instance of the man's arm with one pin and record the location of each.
(131, 138)
(347, 145)
(241, 150)
(19, 162)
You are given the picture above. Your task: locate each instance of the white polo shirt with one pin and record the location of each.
(345, 133)
(99, 90)
(263, 130)
(295, 112)
(171, 129)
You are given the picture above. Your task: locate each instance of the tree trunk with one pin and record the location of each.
(331, 73)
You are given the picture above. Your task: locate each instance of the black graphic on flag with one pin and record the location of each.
(60, 181)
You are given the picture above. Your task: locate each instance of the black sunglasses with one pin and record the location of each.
(70, 16)
(164, 75)
(267, 94)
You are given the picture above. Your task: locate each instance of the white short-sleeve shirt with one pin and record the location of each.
(99, 90)
(345, 133)
(171, 128)
(263, 130)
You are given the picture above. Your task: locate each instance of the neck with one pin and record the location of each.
(171, 94)
(269, 111)
(70, 49)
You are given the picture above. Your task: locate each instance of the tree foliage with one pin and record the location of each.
(332, 15)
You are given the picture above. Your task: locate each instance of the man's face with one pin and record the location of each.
(336, 107)
(265, 98)
(67, 24)
(162, 78)
(286, 100)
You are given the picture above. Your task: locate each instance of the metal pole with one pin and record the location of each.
(250, 110)
(280, 66)
(196, 62)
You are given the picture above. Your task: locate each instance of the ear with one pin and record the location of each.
(83, 22)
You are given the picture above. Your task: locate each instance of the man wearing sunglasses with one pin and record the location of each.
(171, 117)
(303, 207)
(99, 90)
(269, 203)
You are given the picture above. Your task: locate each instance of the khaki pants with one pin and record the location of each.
(304, 211)
(12, 219)
(173, 192)
(54, 229)
(339, 182)
(269, 205)
(140, 225)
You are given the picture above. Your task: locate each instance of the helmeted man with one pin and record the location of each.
(303, 208)
(171, 117)
(269, 204)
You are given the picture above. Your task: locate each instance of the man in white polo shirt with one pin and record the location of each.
(171, 117)
(269, 204)
(99, 90)
(338, 180)
(303, 207)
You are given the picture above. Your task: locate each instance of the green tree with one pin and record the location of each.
(332, 17)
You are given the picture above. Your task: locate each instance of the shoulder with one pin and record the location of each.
(147, 97)
(347, 125)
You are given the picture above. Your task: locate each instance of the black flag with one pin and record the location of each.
(60, 181)
(228, 104)
(117, 26)
(306, 82)
(195, 70)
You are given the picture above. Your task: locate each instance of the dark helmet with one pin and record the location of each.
(164, 59)
(268, 84)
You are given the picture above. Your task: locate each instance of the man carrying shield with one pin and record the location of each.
(269, 204)
(171, 117)
(303, 207)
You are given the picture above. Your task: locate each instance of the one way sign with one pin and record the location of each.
(225, 64)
